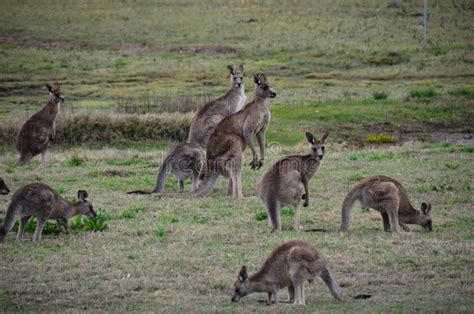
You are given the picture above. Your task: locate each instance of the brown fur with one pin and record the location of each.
(184, 161)
(290, 265)
(232, 135)
(39, 130)
(387, 196)
(3, 187)
(41, 201)
(282, 184)
(205, 120)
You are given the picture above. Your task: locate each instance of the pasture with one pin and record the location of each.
(358, 70)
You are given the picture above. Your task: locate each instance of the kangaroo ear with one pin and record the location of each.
(50, 88)
(231, 69)
(256, 79)
(241, 68)
(82, 195)
(425, 208)
(311, 139)
(325, 137)
(243, 274)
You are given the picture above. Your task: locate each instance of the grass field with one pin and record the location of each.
(356, 68)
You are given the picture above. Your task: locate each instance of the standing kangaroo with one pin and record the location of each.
(40, 201)
(39, 130)
(387, 196)
(230, 138)
(205, 120)
(3, 187)
(289, 265)
(187, 159)
(184, 161)
(281, 184)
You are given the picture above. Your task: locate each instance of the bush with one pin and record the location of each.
(380, 139)
(423, 93)
(380, 95)
(462, 92)
(261, 214)
(132, 211)
(98, 223)
(75, 161)
(108, 127)
(160, 232)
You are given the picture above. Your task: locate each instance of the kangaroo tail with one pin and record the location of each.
(160, 180)
(351, 197)
(162, 174)
(328, 277)
(8, 223)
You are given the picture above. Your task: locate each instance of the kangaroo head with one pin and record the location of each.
(241, 286)
(85, 207)
(55, 93)
(236, 76)
(422, 217)
(317, 146)
(262, 88)
(3, 187)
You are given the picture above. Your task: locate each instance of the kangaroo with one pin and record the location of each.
(387, 196)
(3, 187)
(232, 135)
(40, 201)
(289, 265)
(39, 130)
(184, 161)
(205, 120)
(281, 184)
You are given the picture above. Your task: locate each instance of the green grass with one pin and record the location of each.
(205, 241)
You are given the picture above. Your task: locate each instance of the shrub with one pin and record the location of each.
(288, 212)
(160, 232)
(423, 93)
(462, 92)
(109, 127)
(98, 223)
(380, 95)
(120, 64)
(380, 139)
(200, 219)
(261, 214)
(132, 211)
(75, 161)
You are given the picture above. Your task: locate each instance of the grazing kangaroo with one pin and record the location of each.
(289, 265)
(231, 136)
(205, 120)
(281, 184)
(3, 187)
(39, 130)
(387, 196)
(40, 201)
(184, 161)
